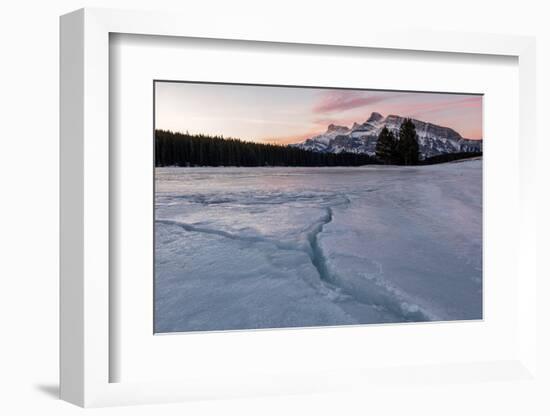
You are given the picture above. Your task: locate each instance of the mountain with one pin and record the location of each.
(433, 140)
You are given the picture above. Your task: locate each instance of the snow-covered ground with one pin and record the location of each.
(241, 248)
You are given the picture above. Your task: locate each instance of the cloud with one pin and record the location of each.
(341, 100)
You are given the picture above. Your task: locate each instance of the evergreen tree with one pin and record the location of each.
(407, 146)
(386, 147)
(179, 149)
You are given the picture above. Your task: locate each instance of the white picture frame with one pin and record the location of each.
(85, 208)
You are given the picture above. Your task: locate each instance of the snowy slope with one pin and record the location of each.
(361, 138)
(241, 248)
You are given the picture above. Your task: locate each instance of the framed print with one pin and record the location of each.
(286, 222)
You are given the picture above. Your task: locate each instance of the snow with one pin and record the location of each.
(245, 248)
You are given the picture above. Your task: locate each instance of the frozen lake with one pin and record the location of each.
(243, 248)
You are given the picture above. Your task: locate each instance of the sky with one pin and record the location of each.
(293, 114)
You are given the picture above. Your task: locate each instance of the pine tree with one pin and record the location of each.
(386, 146)
(407, 146)
(178, 149)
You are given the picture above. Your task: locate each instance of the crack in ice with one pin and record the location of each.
(330, 285)
(316, 254)
(251, 239)
(310, 246)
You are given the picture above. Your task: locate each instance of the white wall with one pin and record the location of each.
(29, 207)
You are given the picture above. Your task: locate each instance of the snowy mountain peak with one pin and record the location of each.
(374, 117)
(336, 128)
(433, 140)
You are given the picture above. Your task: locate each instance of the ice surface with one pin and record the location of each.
(243, 248)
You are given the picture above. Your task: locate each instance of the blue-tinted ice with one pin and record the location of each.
(244, 248)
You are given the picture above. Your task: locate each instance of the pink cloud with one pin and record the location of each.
(341, 100)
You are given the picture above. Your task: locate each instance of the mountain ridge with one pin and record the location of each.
(433, 140)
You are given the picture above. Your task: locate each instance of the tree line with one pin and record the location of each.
(183, 149)
(449, 157)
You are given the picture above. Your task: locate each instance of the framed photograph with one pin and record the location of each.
(273, 213)
(276, 208)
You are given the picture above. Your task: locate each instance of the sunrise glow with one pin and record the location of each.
(291, 114)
